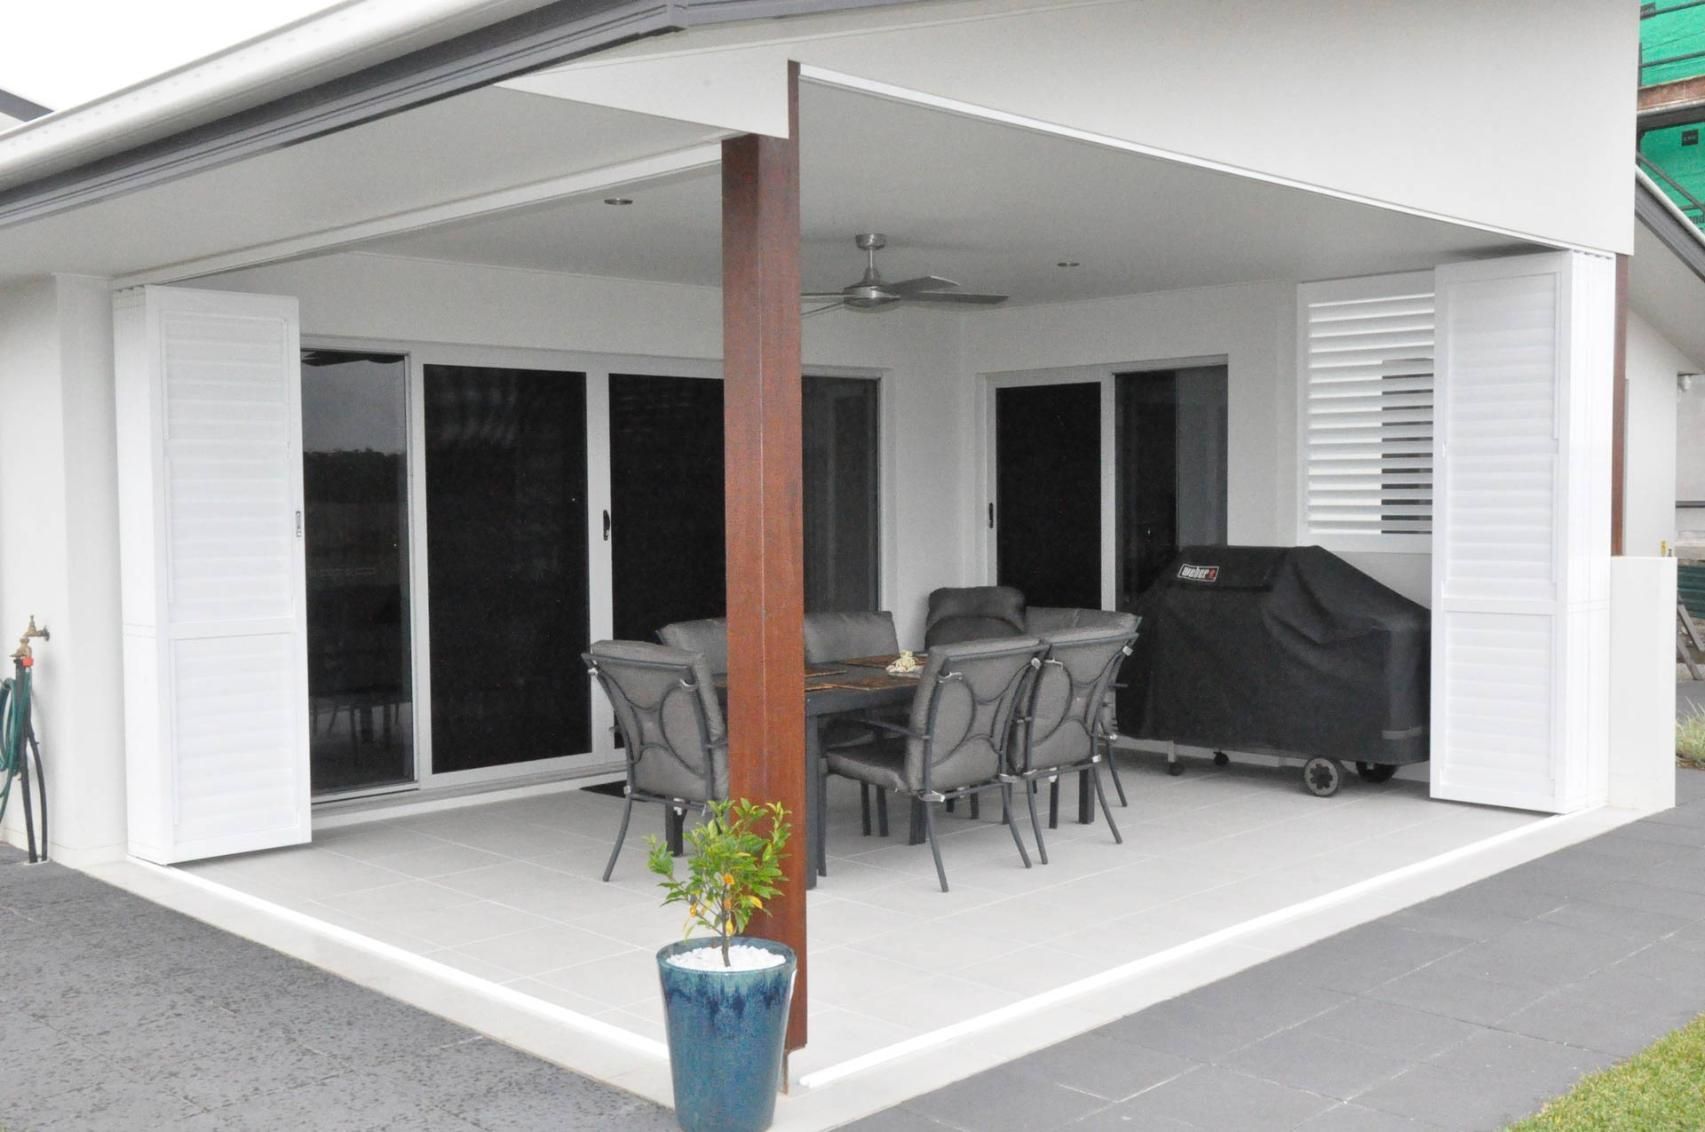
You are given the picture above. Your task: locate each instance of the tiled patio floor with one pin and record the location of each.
(509, 891)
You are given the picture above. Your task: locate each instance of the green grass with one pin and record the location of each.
(1660, 1088)
(1690, 739)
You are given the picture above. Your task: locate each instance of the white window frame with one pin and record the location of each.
(1348, 290)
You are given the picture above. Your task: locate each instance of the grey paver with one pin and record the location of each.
(898, 1120)
(1214, 1097)
(1458, 993)
(1364, 956)
(1352, 1117)
(1317, 1064)
(1615, 1012)
(1102, 1067)
(1403, 1030)
(1006, 1099)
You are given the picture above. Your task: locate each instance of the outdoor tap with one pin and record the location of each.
(22, 652)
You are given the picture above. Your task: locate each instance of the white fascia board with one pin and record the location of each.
(323, 46)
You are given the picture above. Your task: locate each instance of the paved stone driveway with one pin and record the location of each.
(116, 1013)
(1465, 1012)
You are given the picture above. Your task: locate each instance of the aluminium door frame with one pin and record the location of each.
(598, 367)
(1103, 374)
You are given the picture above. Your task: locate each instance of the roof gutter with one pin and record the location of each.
(1669, 224)
(350, 64)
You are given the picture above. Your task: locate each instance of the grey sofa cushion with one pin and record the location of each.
(661, 697)
(973, 613)
(708, 637)
(838, 636)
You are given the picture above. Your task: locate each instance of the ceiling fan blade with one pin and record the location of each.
(921, 284)
(956, 297)
(822, 296)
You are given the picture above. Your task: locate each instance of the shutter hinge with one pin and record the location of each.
(298, 524)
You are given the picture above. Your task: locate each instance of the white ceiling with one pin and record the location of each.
(1667, 294)
(992, 206)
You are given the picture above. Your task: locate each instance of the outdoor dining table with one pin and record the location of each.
(839, 688)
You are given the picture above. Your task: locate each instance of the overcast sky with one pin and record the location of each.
(60, 53)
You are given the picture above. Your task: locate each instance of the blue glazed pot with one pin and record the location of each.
(726, 1031)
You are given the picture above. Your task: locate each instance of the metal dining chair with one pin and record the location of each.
(1061, 731)
(708, 636)
(1044, 621)
(672, 728)
(840, 636)
(955, 742)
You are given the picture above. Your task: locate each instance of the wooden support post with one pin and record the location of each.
(764, 467)
(1619, 412)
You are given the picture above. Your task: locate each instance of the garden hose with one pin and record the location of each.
(18, 743)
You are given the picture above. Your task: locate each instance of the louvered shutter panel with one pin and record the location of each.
(1521, 531)
(1365, 357)
(210, 495)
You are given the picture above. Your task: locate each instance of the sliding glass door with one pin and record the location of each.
(1047, 507)
(505, 453)
(356, 530)
(483, 487)
(667, 549)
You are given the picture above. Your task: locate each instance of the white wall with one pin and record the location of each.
(59, 548)
(925, 404)
(1650, 484)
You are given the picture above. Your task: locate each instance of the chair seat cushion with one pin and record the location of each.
(881, 764)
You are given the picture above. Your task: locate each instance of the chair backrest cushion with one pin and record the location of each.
(838, 636)
(967, 696)
(973, 613)
(665, 703)
(1042, 620)
(1070, 694)
(708, 637)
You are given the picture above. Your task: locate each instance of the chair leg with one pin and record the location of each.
(935, 850)
(1006, 796)
(882, 811)
(675, 830)
(1113, 768)
(820, 835)
(1035, 822)
(1095, 777)
(1054, 802)
(948, 805)
(976, 807)
(863, 806)
(621, 836)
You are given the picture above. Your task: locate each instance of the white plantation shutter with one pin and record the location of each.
(1521, 533)
(210, 469)
(1365, 359)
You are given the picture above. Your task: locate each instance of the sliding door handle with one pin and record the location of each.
(606, 526)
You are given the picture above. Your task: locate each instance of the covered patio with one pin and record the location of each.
(598, 260)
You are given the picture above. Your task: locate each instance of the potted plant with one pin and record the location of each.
(725, 1000)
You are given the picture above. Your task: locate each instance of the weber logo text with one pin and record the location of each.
(1199, 573)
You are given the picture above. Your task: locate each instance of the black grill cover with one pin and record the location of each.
(1279, 648)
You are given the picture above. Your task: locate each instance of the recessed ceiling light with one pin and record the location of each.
(1068, 263)
(618, 200)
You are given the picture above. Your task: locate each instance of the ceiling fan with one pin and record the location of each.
(872, 292)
